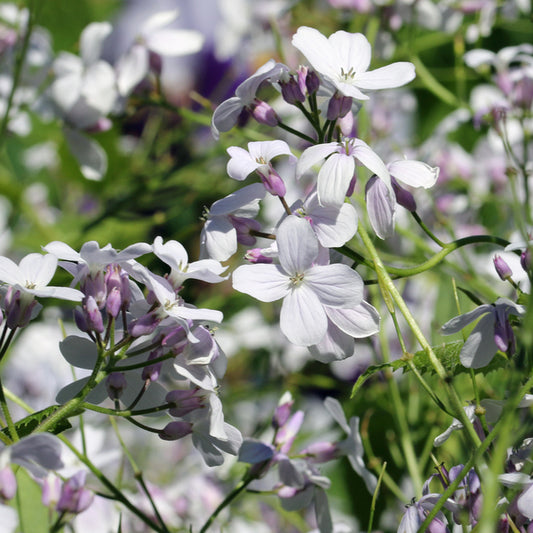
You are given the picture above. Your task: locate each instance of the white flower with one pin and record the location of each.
(32, 276)
(153, 37)
(344, 58)
(306, 287)
(336, 173)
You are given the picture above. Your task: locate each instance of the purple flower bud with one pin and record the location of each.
(155, 61)
(403, 196)
(8, 484)
(243, 227)
(18, 307)
(74, 497)
(176, 430)
(347, 125)
(523, 93)
(114, 302)
(151, 372)
(81, 321)
(291, 91)
(144, 325)
(255, 255)
(338, 106)
(503, 333)
(51, 490)
(112, 277)
(525, 260)
(177, 335)
(312, 82)
(184, 401)
(92, 315)
(282, 412)
(287, 433)
(264, 114)
(273, 182)
(115, 384)
(321, 452)
(502, 268)
(94, 286)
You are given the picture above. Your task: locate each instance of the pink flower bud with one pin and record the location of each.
(114, 302)
(502, 268)
(94, 286)
(92, 315)
(74, 497)
(273, 182)
(264, 114)
(8, 484)
(255, 255)
(321, 452)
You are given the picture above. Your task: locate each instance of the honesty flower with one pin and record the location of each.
(227, 113)
(32, 275)
(306, 288)
(153, 38)
(492, 333)
(337, 172)
(344, 58)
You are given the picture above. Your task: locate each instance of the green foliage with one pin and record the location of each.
(448, 354)
(33, 515)
(28, 424)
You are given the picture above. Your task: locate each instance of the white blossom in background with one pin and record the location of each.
(154, 39)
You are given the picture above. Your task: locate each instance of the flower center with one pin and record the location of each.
(296, 279)
(349, 75)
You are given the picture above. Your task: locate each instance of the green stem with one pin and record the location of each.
(125, 412)
(116, 493)
(426, 230)
(297, 133)
(386, 282)
(227, 500)
(19, 63)
(7, 415)
(375, 497)
(509, 407)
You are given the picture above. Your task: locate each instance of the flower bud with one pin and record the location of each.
(525, 260)
(51, 490)
(283, 411)
(502, 268)
(114, 302)
(264, 114)
(18, 307)
(312, 81)
(115, 384)
(255, 255)
(291, 91)
(144, 325)
(338, 106)
(273, 182)
(94, 286)
(74, 497)
(176, 430)
(321, 452)
(93, 316)
(8, 484)
(151, 372)
(184, 402)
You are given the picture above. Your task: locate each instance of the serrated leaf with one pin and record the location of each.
(449, 356)
(28, 424)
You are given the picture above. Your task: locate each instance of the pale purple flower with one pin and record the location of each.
(352, 446)
(344, 58)
(334, 226)
(154, 38)
(32, 275)
(492, 333)
(219, 235)
(305, 287)
(336, 173)
(258, 159)
(175, 256)
(227, 113)
(380, 206)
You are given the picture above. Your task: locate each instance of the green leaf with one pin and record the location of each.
(27, 425)
(33, 515)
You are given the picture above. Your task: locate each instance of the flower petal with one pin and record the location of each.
(297, 245)
(312, 155)
(265, 282)
(414, 173)
(480, 347)
(334, 179)
(303, 319)
(388, 77)
(380, 205)
(335, 285)
(174, 43)
(359, 322)
(90, 155)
